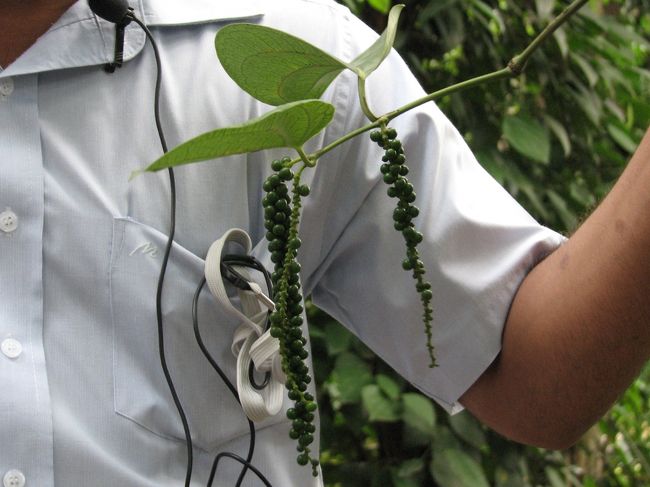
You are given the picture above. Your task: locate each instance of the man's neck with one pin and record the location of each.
(22, 22)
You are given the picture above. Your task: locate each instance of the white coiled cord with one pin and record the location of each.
(250, 341)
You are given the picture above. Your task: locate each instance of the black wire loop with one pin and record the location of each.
(233, 390)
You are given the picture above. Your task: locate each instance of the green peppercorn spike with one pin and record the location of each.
(282, 213)
(394, 172)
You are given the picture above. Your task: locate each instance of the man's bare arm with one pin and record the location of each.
(578, 331)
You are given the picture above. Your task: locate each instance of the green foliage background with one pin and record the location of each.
(557, 137)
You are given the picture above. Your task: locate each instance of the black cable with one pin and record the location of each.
(163, 266)
(229, 260)
(251, 262)
(240, 460)
(224, 378)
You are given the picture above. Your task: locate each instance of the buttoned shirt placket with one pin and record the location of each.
(25, 412)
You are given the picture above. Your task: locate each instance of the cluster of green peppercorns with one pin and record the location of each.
(394, 171)
(281, 218)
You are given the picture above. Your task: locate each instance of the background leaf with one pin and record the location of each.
(382, 6)
(455, 468)
(388, 386)
(468, 428)
(528, 137)
(273, 66)
(378, 406)
(418, 412)
(350, 375)
(560, 132)
(337, 338)
(409, 473)
(290, 125)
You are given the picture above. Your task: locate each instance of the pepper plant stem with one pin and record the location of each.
(514, 68)
(361, 84)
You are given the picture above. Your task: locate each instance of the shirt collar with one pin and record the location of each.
(80, 38)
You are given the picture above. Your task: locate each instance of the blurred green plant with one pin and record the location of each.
(557, 138)
(377, 430)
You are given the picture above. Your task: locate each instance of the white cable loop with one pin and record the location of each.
(250, 342)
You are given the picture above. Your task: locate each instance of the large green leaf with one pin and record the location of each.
(455, 468)
(290, 125)
(528, 137)
(273, 66)
(366, 62)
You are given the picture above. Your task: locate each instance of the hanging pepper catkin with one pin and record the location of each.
(282, 216)
(394, 171)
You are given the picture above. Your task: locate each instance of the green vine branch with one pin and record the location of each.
(518, 63)
(514, 68)
(298, 116)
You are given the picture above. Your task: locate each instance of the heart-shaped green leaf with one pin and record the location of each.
(366, 62)
(273, 66)
(289, 125)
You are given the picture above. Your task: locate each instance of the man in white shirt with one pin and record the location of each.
(84, 401)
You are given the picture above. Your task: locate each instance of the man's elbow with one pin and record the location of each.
(527, 414)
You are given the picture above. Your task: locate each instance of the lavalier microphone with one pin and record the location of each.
(119, 13)
(115, 11)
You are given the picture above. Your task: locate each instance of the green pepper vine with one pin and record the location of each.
(278, 128)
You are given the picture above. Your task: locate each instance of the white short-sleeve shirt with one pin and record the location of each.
(84, 401)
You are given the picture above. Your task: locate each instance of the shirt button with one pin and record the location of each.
(14, 478)
(6, 87)
(11, 347)
(8, 221)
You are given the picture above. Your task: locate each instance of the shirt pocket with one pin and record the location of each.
(141, 392)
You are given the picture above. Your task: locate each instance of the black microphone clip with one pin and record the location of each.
(119, 13)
